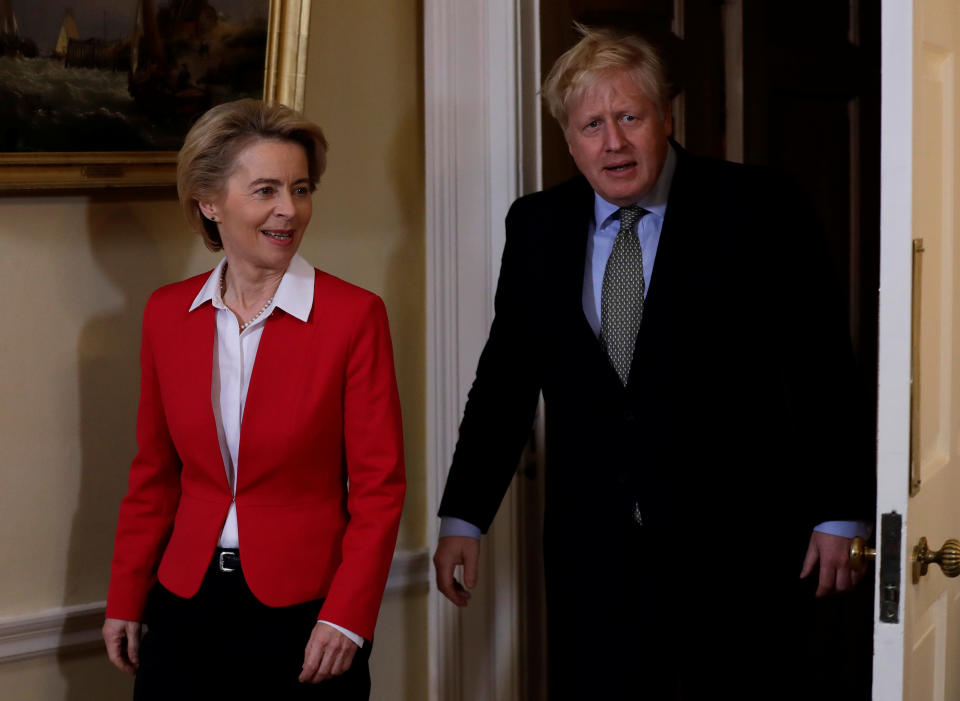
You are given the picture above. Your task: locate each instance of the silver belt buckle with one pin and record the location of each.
(223, 567)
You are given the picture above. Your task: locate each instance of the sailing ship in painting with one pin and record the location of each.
(8, 20)
(66, 84)
(165, 45)
(11, 43)
(68, 32)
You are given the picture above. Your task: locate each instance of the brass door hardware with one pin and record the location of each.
(860, 555)
(948, 557)
(915, 306)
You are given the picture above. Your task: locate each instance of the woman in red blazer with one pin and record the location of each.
(254, 543)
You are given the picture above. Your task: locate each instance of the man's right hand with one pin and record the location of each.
(453, 551)
(123, 643)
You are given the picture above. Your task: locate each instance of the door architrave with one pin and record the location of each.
(893, 415)
(474, 160)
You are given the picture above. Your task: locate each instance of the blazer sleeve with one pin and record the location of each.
(373, 446)
(502, 401)
(148, 509)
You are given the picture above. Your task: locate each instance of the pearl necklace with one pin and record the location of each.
(223, 291)
(256, 316)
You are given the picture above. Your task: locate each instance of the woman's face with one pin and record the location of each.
(265, 205)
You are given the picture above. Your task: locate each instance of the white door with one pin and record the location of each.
(917, 623)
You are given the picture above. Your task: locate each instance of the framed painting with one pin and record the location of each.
(100, 93)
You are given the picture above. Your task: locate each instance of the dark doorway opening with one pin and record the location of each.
(795, 86)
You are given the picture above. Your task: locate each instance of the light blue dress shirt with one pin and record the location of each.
(603, 231)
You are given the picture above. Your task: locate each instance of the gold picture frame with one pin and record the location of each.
(284, 81)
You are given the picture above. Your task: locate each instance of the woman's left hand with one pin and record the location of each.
(329, 653)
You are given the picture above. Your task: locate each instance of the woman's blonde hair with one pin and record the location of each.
(212, 145)
(599, 52)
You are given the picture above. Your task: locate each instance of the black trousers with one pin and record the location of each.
(644, 629)
(223, 643)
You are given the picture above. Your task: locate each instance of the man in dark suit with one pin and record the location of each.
(678, 316)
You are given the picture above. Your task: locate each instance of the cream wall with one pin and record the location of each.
(75, 271)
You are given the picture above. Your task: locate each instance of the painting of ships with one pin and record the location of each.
(128, 76)
(89, 53)
(183, 56)
(160, 77)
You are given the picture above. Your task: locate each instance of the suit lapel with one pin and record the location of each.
(667, 273)
(574, 219)
(194, 383)
(574, 223)
(274, 403)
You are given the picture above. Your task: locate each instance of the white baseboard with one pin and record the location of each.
(51, 630)
(70, 627)
(409, 572)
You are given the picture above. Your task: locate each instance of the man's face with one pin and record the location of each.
(618, 138)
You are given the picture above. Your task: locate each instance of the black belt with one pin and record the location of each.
(226, 560)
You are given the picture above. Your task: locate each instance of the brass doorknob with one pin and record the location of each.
(948, 557)
(860, 554)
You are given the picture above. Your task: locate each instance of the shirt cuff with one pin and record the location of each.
(847, 529)
(452, 526)
(357, 640)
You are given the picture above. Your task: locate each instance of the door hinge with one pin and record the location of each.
(890, 529)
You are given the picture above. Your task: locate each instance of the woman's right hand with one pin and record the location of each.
(123, 643)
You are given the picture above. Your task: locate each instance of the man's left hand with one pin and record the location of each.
(833, 554)
(329, 653)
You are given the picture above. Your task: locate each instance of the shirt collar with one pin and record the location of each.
(294, 294)
(655, 201)
(210, 292)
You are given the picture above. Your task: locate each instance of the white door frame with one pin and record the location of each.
(472, 79)
(893, 415)
(472, 73)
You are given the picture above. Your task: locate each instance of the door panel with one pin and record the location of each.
(932, 604)
(916, 659)
(933, 119)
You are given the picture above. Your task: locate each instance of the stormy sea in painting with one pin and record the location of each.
(89, 78)
(46, 107)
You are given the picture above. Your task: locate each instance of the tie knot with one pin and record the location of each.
(630, 216)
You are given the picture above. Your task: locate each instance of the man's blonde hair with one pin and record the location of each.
(210, 150)
(598, 53)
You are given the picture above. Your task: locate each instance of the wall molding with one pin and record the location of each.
(409, 572)
(74, 627)
(50, 631)
(472, 140)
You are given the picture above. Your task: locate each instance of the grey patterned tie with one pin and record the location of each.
(621, 300)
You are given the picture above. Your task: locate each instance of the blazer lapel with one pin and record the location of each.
(275, 396)
(667, 274)
(195, 380)
(574, 221)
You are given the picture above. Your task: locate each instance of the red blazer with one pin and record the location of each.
(322, 409)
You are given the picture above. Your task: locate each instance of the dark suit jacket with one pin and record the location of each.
(736, 434)
(322, 408)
